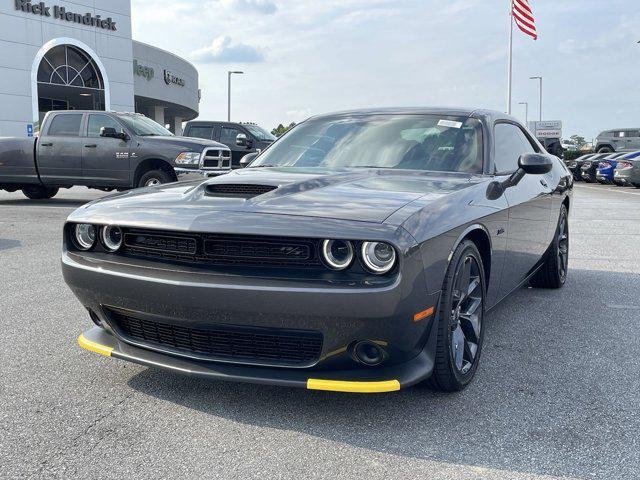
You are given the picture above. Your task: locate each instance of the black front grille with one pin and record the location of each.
(247, 249)
(212, 250)
(238, 190)
(272, 346)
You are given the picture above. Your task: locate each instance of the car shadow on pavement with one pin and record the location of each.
(550, 387)
(7, 243)
(53, 202)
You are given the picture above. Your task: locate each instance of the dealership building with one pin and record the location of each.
(77, 55)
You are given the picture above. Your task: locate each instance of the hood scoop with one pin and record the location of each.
(237, 190)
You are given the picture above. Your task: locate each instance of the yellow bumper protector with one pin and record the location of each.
(94, 347)
(353, 387)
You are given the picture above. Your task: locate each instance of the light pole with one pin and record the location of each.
(526, 112)
(229, 92)
(539, 78)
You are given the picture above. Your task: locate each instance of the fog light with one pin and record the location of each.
(111, 238)
(84, 235)
(368, 353)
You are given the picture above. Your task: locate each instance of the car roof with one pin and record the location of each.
(489, 115)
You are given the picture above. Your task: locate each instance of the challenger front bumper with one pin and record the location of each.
(380, 380)
(397, 313)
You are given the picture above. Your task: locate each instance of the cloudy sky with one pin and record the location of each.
(304, 57)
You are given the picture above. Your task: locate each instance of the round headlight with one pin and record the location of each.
(378, 257)
(85, 236)
(111, 238)
(337, 254)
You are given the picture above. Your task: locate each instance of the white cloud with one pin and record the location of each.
(223, 50)
(265, 7)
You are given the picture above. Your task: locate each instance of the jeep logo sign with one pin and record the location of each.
(170, 78)
(143, 71)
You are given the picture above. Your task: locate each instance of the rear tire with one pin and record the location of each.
(460, 321)
(553, 273)
(637, 185)
(38, 192)
(153, 178)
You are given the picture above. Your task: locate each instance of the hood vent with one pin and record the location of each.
(238, 190)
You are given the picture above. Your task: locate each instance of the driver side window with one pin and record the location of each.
(510, 143)
(96, 122)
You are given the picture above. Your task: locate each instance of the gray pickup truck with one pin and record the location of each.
(104, 150)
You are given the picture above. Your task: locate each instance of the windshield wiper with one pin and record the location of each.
(268, 165)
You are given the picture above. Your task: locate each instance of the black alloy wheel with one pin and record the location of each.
(553, 273)
(461, 313)
(466, 322)
(562, 240)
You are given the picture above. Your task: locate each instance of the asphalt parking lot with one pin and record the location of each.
(557, 394)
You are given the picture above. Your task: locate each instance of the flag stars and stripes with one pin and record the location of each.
(523, 16)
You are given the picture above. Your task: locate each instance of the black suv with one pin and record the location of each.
(241, 138)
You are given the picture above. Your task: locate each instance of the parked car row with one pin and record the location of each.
(620, 168)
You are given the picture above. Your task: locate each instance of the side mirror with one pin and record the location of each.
(535, 164)
(247, 159)
(242, 140)
(110, 132)
(528, 164)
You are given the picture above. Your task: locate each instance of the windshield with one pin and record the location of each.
(417, 142)
(259, 133)
(143, 126)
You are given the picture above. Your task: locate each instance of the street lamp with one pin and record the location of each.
(539, 78)
(229, 92)
(526, 112)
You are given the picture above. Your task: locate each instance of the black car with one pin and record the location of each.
(575, 165)
(359, 253)
(241, 138)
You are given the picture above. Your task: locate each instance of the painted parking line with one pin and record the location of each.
(608, 189)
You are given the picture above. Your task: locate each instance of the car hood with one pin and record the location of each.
(196, 144)
(364, 195)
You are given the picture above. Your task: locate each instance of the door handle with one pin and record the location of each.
(93, 145)
(544, 183)
(46, 144)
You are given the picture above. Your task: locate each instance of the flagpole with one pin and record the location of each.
(510, 78)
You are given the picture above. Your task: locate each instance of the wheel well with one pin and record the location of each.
(604, 145)
(153, 164)
(482, 242)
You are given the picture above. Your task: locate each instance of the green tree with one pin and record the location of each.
(281, 129)
(578, 140)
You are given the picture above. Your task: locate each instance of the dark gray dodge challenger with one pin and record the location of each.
(361, 252)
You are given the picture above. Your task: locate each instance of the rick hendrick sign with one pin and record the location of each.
(61, 13)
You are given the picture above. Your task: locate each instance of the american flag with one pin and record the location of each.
(523, 16)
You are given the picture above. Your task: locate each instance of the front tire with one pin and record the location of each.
(460, 320)
(153, 178)
(553, 273)
(605, 150)
(38, 192)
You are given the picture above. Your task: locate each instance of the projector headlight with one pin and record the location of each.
(111, 238)
(188, 158)
(378, 257)
(84, 235)
(337, 254)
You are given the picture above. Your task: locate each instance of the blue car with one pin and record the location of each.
(604, 172)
